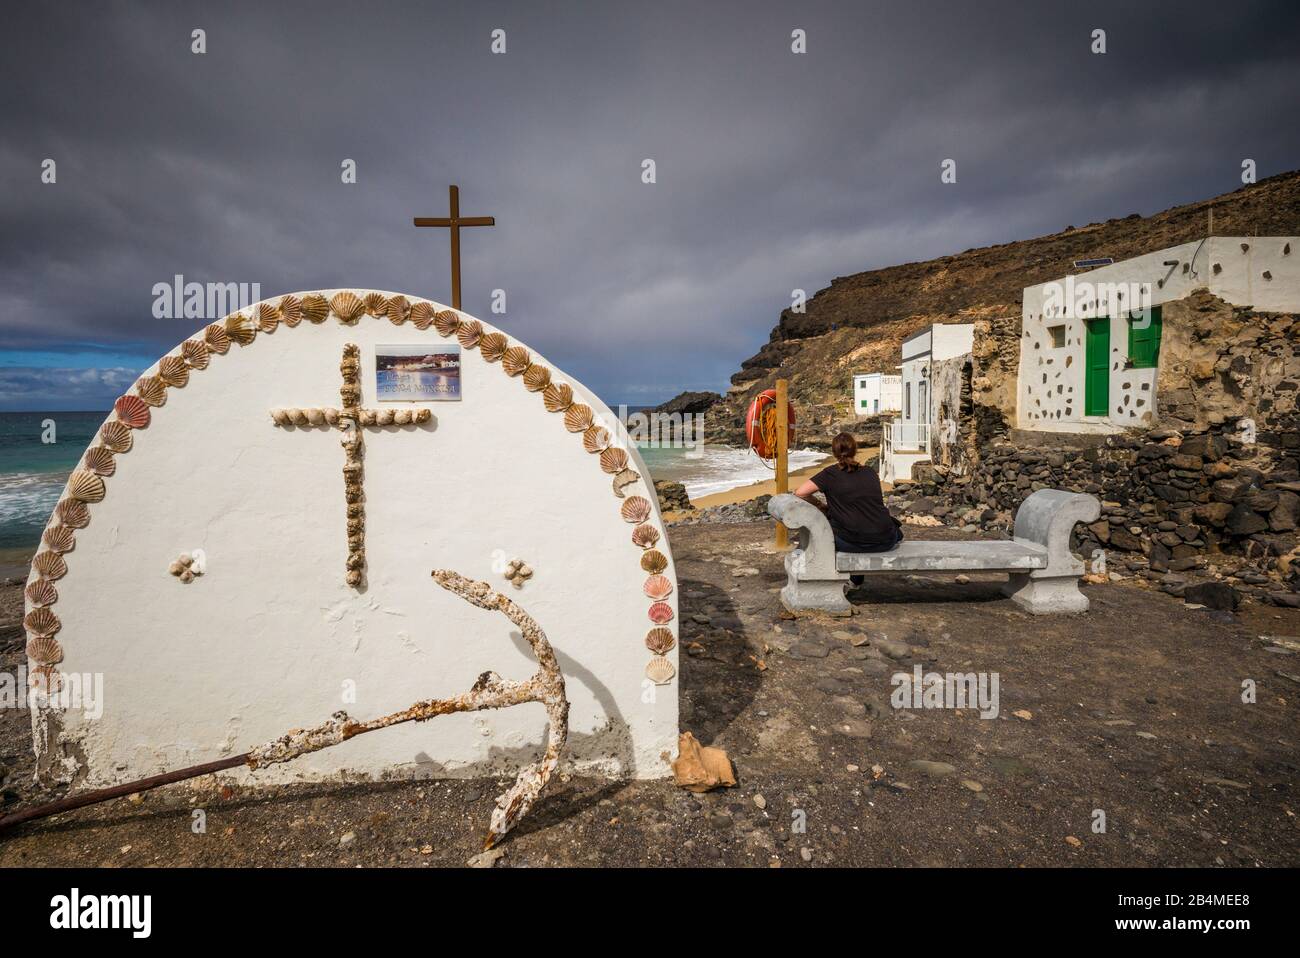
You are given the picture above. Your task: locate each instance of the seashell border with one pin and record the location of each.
(88, 485)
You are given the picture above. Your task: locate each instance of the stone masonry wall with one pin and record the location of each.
(1217, 480)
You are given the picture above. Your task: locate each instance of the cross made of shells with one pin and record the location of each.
(518, 572)
(185, 568)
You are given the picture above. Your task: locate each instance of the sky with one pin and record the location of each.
(774, 170)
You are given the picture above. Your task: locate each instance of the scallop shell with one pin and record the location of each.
(315, 308)
(557, 397)
(59, 538)
(446, 322)
(660, 671)
(50, 565)
(195, 353)
(347, 307)
(422, 315)
(624, 479)
(46, 679)
(217, 338)
(635, 509)
(595, 438)
(42, 622)
(174, 371)
(613, 460)
(41, 592)
(99, 460)
(152, 389)
(660, 613)
(660, 640)
(515, 360)
(239, 330)
(468, 333)
(45, 650)
(398, 309)
(645, 536)
(73, 513)
(654, 561)
(577, 418)
(536, 378)
(290, 311)
(658, 586)
(132, 410)
(85, 486)
(115, 436)
(493, 346)
(376, 304)
(268, 317)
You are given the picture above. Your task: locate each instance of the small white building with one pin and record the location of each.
(907, 439)
(874, 393)
(1090, 343)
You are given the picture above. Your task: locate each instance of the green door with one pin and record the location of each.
(1096, 385)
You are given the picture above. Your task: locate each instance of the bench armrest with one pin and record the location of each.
(1047, 518)
(814, 557)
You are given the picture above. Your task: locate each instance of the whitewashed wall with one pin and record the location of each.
(1050, 381)
(875, 393)
(266, 640)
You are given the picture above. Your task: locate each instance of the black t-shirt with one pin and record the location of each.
(856, 508)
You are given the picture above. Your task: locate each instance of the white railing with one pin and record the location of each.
(900, 436)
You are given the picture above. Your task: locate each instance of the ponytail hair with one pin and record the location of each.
(845, 450)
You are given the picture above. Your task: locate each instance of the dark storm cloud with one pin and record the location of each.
(775, 171)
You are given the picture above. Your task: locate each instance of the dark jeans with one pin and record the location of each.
(842, 546)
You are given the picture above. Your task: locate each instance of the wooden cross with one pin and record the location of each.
(455, 222)
(350, 419)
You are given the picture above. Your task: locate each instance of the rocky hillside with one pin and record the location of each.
(858, 322)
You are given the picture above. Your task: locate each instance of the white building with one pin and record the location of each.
(1089, 360)
(874, 393)
(908, 439)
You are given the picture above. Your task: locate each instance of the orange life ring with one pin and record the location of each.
(760, 423)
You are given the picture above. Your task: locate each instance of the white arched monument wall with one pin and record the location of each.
(271, 637)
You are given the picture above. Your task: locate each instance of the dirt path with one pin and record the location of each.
(1134, 709)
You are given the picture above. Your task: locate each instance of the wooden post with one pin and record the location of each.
(782, 452)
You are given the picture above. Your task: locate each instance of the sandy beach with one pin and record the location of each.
(768, 486)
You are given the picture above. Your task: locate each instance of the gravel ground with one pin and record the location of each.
(1134, 710)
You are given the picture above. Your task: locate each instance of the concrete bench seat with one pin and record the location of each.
(933, 556)
(1044, 574)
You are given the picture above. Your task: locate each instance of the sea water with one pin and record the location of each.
(32, 474)
(709, 469)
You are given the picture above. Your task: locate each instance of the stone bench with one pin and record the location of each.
(1044, 574)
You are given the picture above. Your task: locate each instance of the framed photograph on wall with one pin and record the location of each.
(417, 373)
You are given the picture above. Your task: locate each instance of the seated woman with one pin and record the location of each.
(854, 506)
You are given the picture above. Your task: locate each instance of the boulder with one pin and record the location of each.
(1244, 521)
(1214, 513)
(1284, 516)
(1121, 538)
(1206, 445)
(1218, 596)
(672, 496)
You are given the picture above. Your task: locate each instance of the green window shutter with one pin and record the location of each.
(1144, 341)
